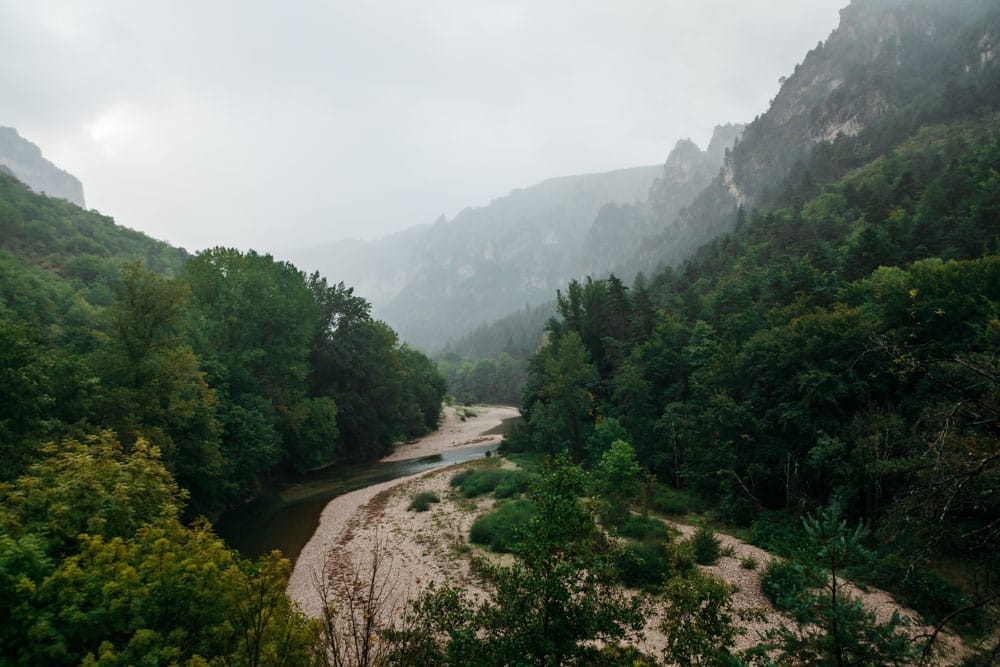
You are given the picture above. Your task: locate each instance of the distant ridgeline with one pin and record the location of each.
(24, 160)
(234, 365)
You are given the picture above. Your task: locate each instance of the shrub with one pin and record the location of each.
(748, 563)
(786, 585)
(499, 529)
(707, 547)
(504, 483)
(780, 534)
(682, 556)
(459, 478)
(644, 563)
(422, 501)
(513, 482)
(928, 593)
(641, 527)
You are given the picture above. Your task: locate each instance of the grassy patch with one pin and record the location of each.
(422, 501)
(498, 529)
(672, 502)
(525, 460)
(642, 527)
(502, 483)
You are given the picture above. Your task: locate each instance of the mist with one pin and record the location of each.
(254, 125)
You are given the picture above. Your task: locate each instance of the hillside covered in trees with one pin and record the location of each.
(835, 347)
(141, 387)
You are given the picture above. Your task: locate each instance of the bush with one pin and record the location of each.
(682, 557)
(514, 482)
(779, 533)
(786, 585)
(459, 478)
(641, 528)
(422, 501)
(707, 547)
(644, 563)
(503, 483)
(498, 530)
(748, 563)
(927, 593)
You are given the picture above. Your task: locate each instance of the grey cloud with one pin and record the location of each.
(275, 124)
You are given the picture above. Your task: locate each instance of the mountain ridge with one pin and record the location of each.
(26, 162)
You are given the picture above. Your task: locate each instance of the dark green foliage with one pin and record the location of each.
(235, 369)
(669, 501)
(840, 342)
(785, 584)
(494, 381)
(707, 546)
(645, 562)
(422, 501)
(503, 483)
(616, 478)
(514, 484)
(499, 529)
(699, 621)
(834, 629)
(641, 527)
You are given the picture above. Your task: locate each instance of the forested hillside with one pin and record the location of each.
(233, 364)
(837, 348)
(140, 386)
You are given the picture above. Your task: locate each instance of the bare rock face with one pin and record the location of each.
(25, 161)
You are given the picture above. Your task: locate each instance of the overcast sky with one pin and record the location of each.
(282, 124)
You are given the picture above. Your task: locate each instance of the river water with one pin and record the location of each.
(286, 515)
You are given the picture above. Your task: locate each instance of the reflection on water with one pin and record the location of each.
(287, 515)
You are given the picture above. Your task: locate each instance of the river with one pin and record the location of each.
(287, 514)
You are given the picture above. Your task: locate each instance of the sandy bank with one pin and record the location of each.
(350, 523)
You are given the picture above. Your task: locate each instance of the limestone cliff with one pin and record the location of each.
(25, 161)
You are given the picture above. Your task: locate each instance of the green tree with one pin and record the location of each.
(834, 628)
(617, 477)
(152, 386)
(563, 411)
(698, 621)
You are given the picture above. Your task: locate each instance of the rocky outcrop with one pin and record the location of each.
(889, 67)
(25, 161)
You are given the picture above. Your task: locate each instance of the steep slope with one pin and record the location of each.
(490, 260)
(889, 67)
(82, 247)
(24, 159)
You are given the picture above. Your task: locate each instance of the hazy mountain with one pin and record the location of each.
(889, 67)
(24, 160)
(434, 283)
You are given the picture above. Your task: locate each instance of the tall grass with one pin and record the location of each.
(499, 529)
